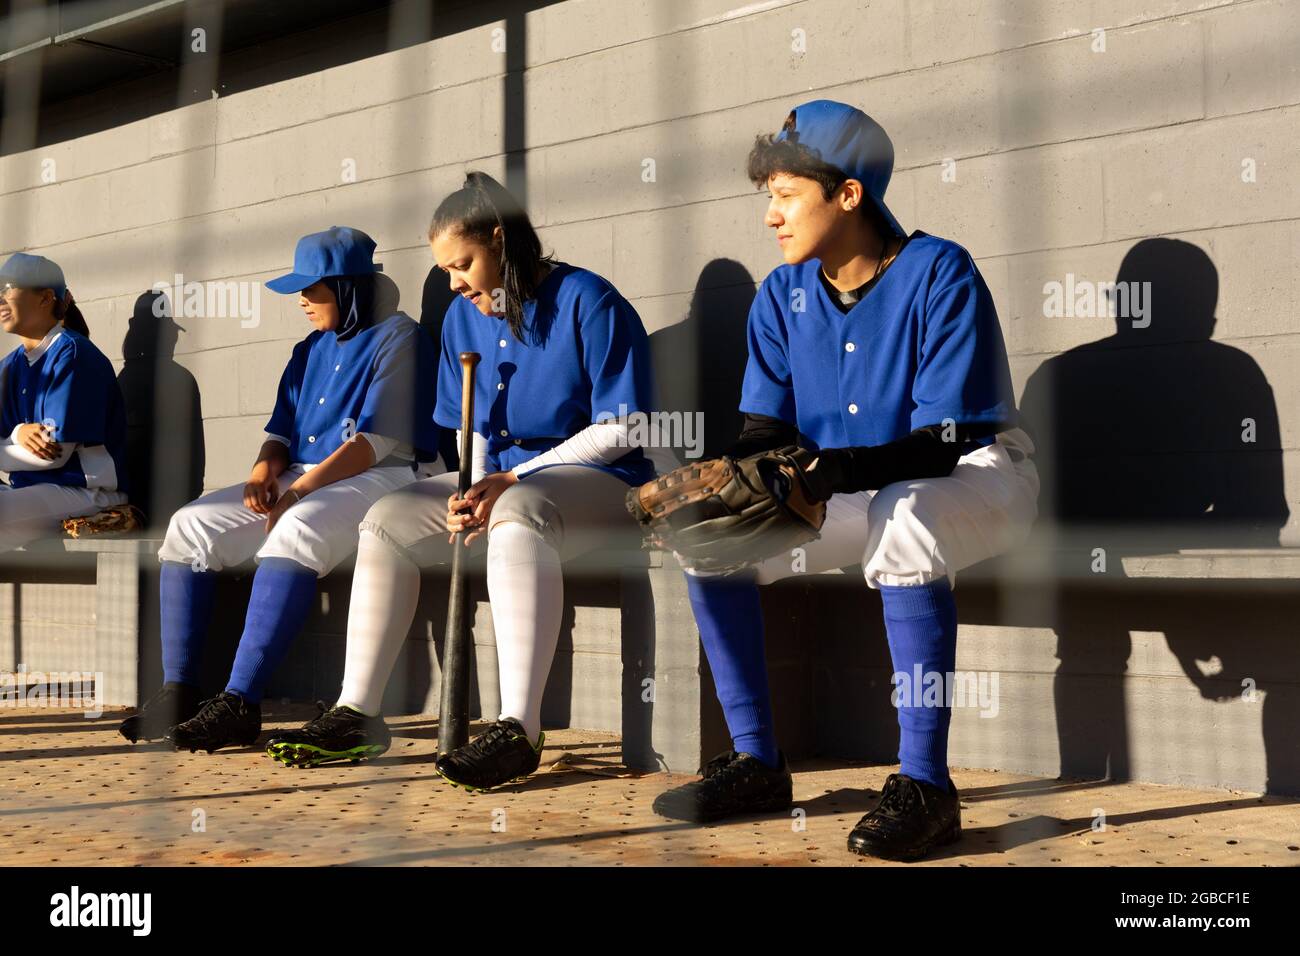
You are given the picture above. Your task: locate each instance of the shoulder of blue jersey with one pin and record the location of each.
(950, 262)
(587, 287)
(82, 349)
(398, 324)
(303, 347)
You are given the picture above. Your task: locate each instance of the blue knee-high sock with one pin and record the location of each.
(185, 599)
(730, 619)
(282, 596)
(921, 621)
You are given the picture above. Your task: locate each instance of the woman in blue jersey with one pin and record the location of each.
(353, 421)
(881, 352)
(565, 360)
(62, 419)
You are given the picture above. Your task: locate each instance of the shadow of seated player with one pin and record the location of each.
(164, 416)
(1157, 430)
(1153, 439)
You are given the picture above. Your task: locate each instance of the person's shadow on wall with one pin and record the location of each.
(1154, 439)
(699, 362)
(164, 447)
(434, 300)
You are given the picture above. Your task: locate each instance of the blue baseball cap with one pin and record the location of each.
(33, 272)
(338, 251)
(848, 139)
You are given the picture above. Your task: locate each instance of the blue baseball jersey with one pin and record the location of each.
(73, 390)
(379, 381)
(923, 345)
(585, 358)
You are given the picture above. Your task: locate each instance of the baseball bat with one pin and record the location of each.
(453, 718)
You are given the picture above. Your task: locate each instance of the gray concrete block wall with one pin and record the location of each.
(1065, 159)
(1062, 155)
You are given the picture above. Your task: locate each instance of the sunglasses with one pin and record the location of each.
(8, 290)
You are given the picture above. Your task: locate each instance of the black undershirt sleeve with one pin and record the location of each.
(921, 454)
(762, 433)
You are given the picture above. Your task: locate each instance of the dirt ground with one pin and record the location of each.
(73, 792)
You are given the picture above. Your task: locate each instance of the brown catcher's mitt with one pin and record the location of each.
(118, 520)
(723, 514)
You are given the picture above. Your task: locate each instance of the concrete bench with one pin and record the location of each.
(629, 658)
(115, 573)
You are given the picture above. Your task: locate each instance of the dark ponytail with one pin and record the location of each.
(474, 211)
(66, 311)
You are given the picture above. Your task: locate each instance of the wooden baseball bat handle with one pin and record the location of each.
(468, 366)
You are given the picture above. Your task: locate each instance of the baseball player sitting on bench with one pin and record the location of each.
(560, 349)
(353, 420)
(882, 352)
(62, 417)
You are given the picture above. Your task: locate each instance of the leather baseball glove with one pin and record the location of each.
(723, 514)
(117, 520)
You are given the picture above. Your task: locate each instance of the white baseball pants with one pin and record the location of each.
(218, 531)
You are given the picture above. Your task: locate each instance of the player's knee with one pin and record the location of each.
(524, 505)
(385, 515)
(901, 503)
(185, 521)
(295, 539)
(292, 525)
(390, 518)
(897, 498)
(903, 508)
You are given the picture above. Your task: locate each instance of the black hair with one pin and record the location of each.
(66, 311)
(768, 157)
(475, 211)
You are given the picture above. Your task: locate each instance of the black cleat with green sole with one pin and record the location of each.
(336, 733)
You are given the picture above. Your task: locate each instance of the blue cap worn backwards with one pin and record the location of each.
(848, 139)
(338, 251)
(33, 272)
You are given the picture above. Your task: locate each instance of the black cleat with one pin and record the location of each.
(912, 818)
(161, 712)
(733, 784)
(336, 733)
(225, 719)
(499, 755)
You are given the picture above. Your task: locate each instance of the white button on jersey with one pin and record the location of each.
(321, 402)
(500, 386)
(504, 433)
(502, 343)
(337, 367)
(311, 439)
(853, 409)
(518, 441)
(849, 347)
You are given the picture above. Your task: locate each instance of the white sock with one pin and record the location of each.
(385, 591)
(527, 593)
